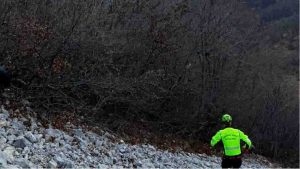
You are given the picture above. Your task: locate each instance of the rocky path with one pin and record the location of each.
(32, 146)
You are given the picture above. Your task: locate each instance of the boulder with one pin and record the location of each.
(3, 161)
(15, 124)
(11, 138)
(4, 114)
(99, 143)
(122, 148)
(62, 162)
(78, 132)
(3, 140)
(52, 133)
(24, 163)
(21, 142)
(26, 150)
(31, 137)
(12, 131)
(9, 153)
(52, 164)
(68, 138)
(4, 123)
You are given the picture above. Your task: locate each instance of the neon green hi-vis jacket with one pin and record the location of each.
(231, 140)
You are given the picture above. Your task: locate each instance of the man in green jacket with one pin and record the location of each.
(231, 141)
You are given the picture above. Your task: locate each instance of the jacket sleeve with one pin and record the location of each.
(216, 138)
(245, 138)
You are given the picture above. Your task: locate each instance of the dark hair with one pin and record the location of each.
(227, 124)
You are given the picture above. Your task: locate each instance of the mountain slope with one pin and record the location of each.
(25, 143)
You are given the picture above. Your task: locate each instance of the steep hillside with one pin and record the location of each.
(25, 143)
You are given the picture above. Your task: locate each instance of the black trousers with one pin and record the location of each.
(232, 162)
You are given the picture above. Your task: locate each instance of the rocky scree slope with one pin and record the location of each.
(33, 146)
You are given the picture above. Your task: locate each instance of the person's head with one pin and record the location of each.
(226, 120)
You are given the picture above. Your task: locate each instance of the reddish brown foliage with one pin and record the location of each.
(31, 34)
